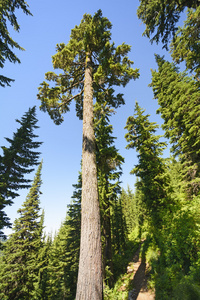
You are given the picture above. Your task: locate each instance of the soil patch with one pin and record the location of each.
(139, 277)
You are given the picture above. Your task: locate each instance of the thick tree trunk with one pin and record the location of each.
(90, 282)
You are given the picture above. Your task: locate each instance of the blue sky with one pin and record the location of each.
(51, 24)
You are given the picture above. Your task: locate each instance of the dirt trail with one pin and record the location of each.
(139, 279)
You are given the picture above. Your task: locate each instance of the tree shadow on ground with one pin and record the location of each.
(140, 277)
(139, 281)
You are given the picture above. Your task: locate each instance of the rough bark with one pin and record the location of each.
(90, 282)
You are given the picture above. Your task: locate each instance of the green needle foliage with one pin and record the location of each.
(119, 231)
(64, 253)
(20, 264)
(161, 17)
(150, 169)
(110, 67)
(172, 244)
(58, 268)
(91, 66)
(186, 44)
(8, 17)
(178, 96)
(109, 163)
(18, 160)
(130, 209)
(41, 284)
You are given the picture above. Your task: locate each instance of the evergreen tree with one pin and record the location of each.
(109, 170)
(178, 96)
(176, 267)
(186, 46)
(73, 221)
(8, 17)
(57, 286)
(154, 182)
(19, 266)
(119, 230)
(41, 285)
(130, 209)
(91, 65)
(16, 161)
(161, 17)
(174, 169)
(64, 254)
(142, 214)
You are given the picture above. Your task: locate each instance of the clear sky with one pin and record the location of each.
(51, 24)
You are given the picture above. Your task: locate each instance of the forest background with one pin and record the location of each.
(51, 24)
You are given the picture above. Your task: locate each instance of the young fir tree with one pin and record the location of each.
(119, 229)
(154, 182)
(73, 221)
(64, 254)
(142, 215)
(19, 265)
(57, 285)
(109, 170)
(8, 17)
(18, 160)
(92, 65)
(130, 209)
(41, 286)
(179, 98)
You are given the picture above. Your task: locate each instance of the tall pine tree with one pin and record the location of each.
(91, 65)
(154, 182)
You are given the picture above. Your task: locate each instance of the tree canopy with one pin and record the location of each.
(8, 16)
(110, 67)
(186, 43)
(178, 96)
(161, 17)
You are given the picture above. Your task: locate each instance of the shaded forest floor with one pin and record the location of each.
(137, 273)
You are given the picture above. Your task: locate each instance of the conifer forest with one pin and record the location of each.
(111, 224)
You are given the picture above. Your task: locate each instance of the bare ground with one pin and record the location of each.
(139, 278)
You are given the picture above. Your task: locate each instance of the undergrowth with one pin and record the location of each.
(122, 279)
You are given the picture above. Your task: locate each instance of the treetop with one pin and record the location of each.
(109, 64)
